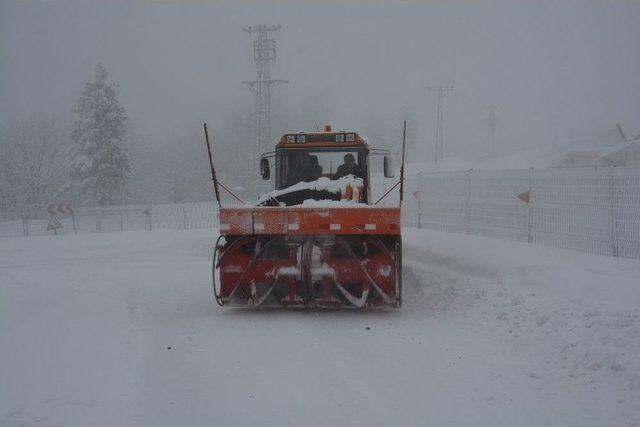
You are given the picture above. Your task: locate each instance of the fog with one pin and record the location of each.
(552, 70)
(492, 284)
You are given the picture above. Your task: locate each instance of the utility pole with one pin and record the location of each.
(440, 91)
(492, 122)
(264, 53)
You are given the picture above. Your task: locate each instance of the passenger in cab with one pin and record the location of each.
(349, 167)
(304, 167)
(297, 168)
(313, 169)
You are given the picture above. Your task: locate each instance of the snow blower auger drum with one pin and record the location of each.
(308, 271)
(317, 240)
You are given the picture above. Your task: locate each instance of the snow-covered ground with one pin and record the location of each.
(120, 329)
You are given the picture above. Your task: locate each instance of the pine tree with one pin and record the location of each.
(100, 160)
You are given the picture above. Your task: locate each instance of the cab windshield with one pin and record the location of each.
(305, 165)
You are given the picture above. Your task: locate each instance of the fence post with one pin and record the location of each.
(529, 213)
(419, 194)
(468, 198)
(419, 209)
(613, 214)
(98, 218)
(73, 222)
(184, 217)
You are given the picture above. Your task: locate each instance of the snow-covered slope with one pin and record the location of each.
(121, 329)
(576, 154)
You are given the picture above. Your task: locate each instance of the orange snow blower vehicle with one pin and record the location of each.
(317, 240)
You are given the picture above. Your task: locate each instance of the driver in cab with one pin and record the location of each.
(349, 167)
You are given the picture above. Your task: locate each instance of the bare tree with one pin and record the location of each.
(32, 164)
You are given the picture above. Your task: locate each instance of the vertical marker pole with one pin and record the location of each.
(404, 134)
(213, 170)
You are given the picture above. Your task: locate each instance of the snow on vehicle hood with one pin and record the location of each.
(330, 203)
(321, 184)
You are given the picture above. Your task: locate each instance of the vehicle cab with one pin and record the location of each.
(323, 160)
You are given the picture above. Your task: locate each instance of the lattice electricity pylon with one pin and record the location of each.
(264, 52)
(441, 91)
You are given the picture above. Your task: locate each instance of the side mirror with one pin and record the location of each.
(264, 168)
(389, 170)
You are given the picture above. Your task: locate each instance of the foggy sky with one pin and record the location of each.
(570, 64)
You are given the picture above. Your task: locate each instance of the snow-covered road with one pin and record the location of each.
(121, 329)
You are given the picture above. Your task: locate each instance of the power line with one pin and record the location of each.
(440, 91)
(264, 53)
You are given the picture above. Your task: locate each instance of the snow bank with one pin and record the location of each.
(572, 318)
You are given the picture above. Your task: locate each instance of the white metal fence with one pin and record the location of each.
(119, 218)
(595, 210)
